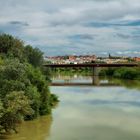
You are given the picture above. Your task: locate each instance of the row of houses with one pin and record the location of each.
(72, 59)
(137, 59)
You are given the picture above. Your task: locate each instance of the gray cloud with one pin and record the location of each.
(75, 26)
(82, 37)
(19, 23)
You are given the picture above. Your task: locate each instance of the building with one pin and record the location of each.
(137, 59)
(72, 58)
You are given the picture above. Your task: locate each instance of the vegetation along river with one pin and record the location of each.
(107, 110)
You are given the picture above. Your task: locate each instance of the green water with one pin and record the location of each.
(88, 112)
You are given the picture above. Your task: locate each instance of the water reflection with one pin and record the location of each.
(89, 112)
(75, 80)
(131, 84)
(78, 80)
(96, 112)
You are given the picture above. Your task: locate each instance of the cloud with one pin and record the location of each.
(76, 26)
(113, 24)
(82, 37)
(19, 23)
(128, 53)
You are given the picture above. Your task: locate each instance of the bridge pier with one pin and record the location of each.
(95, 76)
(95, 80)
(96, 71)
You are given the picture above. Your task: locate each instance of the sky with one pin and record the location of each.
(74, 27)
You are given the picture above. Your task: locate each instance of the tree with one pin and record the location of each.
(34, 56)
(24, 91)
(16, 106)
(33, 94)
(10, 46)
(12, 77)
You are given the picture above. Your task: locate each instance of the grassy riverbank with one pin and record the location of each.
(24, 91)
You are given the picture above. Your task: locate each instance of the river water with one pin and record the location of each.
(105, 110)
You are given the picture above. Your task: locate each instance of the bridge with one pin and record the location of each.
(91, 65)
(96, 68)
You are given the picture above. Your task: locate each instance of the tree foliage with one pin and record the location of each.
(34, 55)
(24, 91)
(123, 73)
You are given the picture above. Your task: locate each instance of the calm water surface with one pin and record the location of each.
(88, 112)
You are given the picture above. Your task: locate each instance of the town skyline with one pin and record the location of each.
(84, 59)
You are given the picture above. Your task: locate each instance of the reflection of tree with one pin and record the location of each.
(38, 129)
(126, 83)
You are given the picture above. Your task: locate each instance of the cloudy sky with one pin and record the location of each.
(60, 27)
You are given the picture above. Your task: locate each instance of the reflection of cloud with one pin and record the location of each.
(124, 36)
(89, 111)
(116, 97)
(105, 102)
(127, 36)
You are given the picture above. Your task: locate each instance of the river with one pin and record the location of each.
(107, 110)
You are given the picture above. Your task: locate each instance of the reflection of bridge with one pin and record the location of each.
(86, 84)
(95, 67)
(95, 82)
